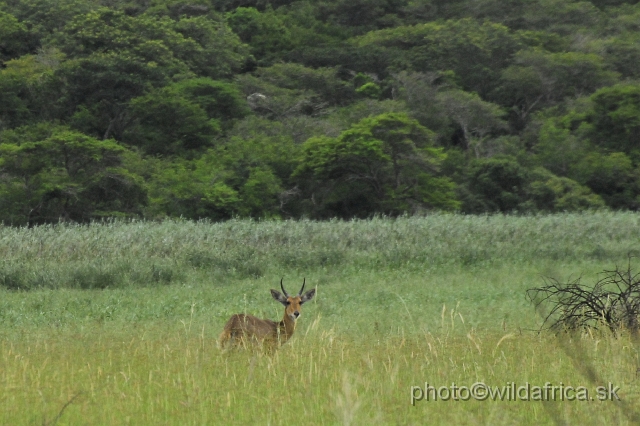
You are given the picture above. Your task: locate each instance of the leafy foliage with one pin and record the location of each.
(385, 163)
(64, 174)
(320, 109)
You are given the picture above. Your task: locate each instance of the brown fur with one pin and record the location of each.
(243, 330)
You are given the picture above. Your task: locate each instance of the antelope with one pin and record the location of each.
(244, 329)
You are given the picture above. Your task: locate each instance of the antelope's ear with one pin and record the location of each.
(279, 297)
(308, 296)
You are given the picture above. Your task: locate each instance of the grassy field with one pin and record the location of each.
(116, 323)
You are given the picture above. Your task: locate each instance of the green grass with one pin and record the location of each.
(117, 323)
(119, 254)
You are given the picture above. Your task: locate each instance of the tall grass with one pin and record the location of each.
(122, 254)
(179, 377)
(116, 323)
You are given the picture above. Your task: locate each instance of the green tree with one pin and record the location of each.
(222, 101)
(475, 52)
(170, 124)
(119, 57)
(27, 88)
(494, 185)
(270, 100)
(259, 194)
(475, 117)
(561, 17)
(384, 164)
(45, 17)
(361, 16)
(263, 31)
(420, 93)
(324, 83)
(53, 173)
(550, 193)
(615, 118)
(261, 155)
(557, 148)
(192, 189)
(184, 116)
(15, 38)
(595, 145)
(622, 54)
(612, 176)
(95, 91)
(196, 45)
(247, 175)
(539, 80)
(217, 52)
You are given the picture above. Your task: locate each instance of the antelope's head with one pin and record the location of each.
(292, 304)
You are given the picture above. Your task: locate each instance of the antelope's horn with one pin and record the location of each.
(282, 287)
(304, 280)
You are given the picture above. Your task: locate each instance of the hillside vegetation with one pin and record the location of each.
(316, 109)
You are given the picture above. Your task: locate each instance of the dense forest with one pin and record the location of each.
(320, 109)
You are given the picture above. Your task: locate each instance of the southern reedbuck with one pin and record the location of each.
(244, 329)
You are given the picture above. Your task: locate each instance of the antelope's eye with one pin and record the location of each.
(288, 303)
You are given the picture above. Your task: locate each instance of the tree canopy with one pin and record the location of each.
(332, 108)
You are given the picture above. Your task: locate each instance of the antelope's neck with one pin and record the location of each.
(286, 327)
